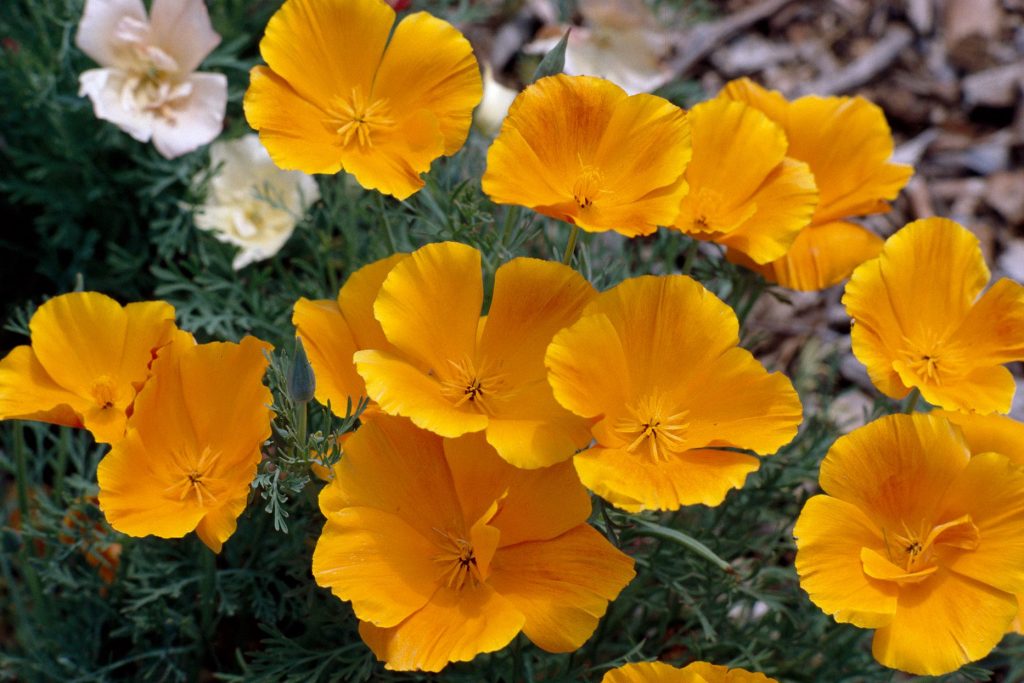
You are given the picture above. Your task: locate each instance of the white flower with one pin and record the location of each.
(252, 203)
(494, 106)
(146, 86)
(619, 41)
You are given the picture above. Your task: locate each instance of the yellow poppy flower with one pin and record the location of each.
(333, 330)
(917, 539)
(847, 144)
(455, 372)
(918, 320)
(341, 91)
(656, 361)
(697, 672)
(88, 358)
(193, 443)
(993, 434)
(745, 192)
(579, 149)
(446, 551)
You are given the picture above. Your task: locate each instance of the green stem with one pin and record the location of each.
(301, 427)
(915, 396)
(62, 464)
(21, 471)
(570, 246)
(207, 591)
(690, 257)
(609, 525)
(511, 218)
(388, 232)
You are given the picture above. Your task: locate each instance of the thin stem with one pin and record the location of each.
(301, 426)
(388, 232)
(511, 218)
(690, 257)
(62, 463)
(915, 396)
(609, 525)
(207, 591)
(21, 471)
(570, 246)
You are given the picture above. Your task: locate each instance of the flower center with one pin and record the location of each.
(194, 478)
(458, 562)
(358, 118)
(930, 359)
(650, 422)
(587, 186)
(467, 386)
(915, 549)
(104, 392)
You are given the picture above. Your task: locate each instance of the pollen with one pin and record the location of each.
(651, 423)
(587, 186)
(358, 118)
(458, 562)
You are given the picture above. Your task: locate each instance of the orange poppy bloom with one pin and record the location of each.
(918, 325)
(656, 362)
(579, 149)
(342, 91)
(447, 551)
(745, 192)
(88, 358)
(697, 672)
(193, 443)
(79, 526)
(847, 144)
(456, 372)
(333, 330)
(918, 540)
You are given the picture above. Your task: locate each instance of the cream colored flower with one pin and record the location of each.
(146, 85)
(495, 103)
(620, 41)
(252, 203)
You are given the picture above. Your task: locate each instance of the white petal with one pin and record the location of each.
(197, 121)
(182, 29)
(97, 31)
(105, 88)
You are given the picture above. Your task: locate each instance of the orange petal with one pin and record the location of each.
(378, 562)
(444, 80)
(562, 586)
(541, 504)
(28, 393)
(219, 524)
(588, 366)
(989, 433)
(637, 481)
(329, 344)
(822, 255)
(943, 623)
(896, 468)
(356, 297)
(454, 626)
(651, 672)
(719, 674)
(993, 330)
(830, 535)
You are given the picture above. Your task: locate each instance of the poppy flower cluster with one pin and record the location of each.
(185, 421)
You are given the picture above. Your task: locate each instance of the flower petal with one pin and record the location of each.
(182, 29)
(292, 128)
(896, 468)
(329, 344)
(376, 560)
(713, 673)
(588, 366)
(562, 586)
(324, 50)
(454, 626)
(993, 330)
(27, 392)
(636, 481)
(943, 623)
(651, 672)
(219, 524)
(198, 121)
(989, 433)
(97, 31)
(445, 80)
(830, 536)
(820, 256)
(541, 504)
(356, 297)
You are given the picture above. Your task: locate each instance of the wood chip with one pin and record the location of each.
(897, 39)
(997, 87)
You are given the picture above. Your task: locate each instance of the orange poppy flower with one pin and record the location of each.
(88, 358)
(193, 443)
(446, 551)
(342, 91)
(456, 372)
(656, 362)
(697, 672)
(80, 525)
(919, 325)
(333, 330)
(579, 149)
(745, 192)
(847, 144)
(917, 539)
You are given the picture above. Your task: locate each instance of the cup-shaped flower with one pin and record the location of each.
(342, 91)
(745, 192)
(193, 443)
(447, 551)
(251, 203)
(847, 144)
(456, 372)
(992, 434)
(88, 357)
(579, 149)
(697, 672)
(917, 538)
(918, 320)
(147, 85)
(333, 330)
(656, 362)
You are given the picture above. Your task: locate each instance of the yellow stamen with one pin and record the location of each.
(358, 118)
